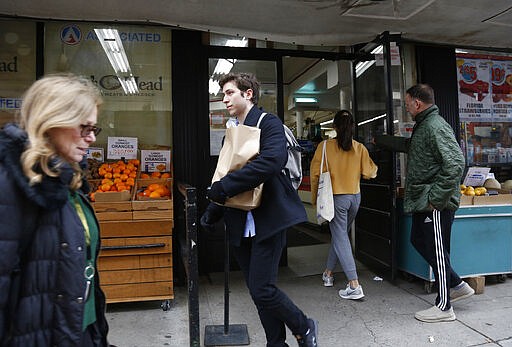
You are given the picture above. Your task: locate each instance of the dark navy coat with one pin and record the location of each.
(41, 291)
(280, 206)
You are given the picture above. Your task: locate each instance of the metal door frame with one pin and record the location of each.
(389, 270)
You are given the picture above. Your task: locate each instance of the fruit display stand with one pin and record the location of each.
(481, 240)
(135, 261)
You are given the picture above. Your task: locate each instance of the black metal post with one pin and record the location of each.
(226, 335)
(226, 283)
(191, 265)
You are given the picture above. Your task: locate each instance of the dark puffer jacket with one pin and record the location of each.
(41, 292)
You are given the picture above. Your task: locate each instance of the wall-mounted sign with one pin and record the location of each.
(74, 47)
(485, 88)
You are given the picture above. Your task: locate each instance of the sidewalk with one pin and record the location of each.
(385, 317)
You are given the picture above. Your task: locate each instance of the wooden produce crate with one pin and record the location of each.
(152, 208)
(137, 268)
(135, 261)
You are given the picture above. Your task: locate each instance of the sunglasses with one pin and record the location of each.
(85, 130)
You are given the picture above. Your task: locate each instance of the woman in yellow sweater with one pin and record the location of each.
(347, 160)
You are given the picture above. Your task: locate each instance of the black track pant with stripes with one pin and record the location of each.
(430, 235)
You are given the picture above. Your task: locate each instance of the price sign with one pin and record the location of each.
(122, 147)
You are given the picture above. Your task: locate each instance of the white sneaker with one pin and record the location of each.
(434, 314)
(465, 291)
(328, 280)
(352, 294)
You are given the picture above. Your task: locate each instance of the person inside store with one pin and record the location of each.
(49, 236)
(347, 160)
(258, 237)
(478, 151)
(435, 165)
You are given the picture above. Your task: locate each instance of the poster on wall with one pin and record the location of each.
(485, 88)
(75, 47)
(17, 65)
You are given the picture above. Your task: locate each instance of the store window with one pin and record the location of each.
(17, 65)
(136, 89)
(265, 72)
(485, 107)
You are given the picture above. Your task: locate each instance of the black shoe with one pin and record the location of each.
(310, 338)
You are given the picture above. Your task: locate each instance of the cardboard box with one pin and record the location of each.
(466, 200)
(500, 199)
(477, 283)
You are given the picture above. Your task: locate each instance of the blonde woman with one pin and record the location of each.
(49, 237)
(347, 160)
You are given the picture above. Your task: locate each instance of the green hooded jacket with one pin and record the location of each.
(435, 163)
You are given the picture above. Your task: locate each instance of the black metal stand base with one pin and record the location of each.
(237, 335)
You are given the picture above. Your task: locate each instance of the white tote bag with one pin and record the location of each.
(324, 198)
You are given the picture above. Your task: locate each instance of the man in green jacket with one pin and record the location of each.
(435, 164)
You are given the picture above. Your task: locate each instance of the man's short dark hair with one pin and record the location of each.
(422, 92)
(243, 81)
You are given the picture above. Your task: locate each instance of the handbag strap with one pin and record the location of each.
(324, 155)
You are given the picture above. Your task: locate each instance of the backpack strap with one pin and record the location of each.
(260, 119)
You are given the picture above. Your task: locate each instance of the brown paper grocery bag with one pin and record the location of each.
(241, 144)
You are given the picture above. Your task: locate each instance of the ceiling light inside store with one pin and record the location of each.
(224, 66)
(371, 119)
(306, 100)
(237, 43)
(113, 47)
(362, 66)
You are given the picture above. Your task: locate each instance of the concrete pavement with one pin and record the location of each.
(385, 317)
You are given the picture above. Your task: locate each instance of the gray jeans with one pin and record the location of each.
(345, 210)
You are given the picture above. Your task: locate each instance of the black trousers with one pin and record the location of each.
(259, 262)
(430, 235)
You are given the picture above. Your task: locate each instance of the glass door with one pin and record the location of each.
(377, 90)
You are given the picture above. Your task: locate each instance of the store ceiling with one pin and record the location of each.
(302, 22)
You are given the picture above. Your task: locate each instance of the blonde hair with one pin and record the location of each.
(54, 101)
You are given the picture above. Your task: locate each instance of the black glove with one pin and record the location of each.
(211, 216)
(206, 222)
(216, 193)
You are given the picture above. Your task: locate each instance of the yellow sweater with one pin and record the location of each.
(345, 167)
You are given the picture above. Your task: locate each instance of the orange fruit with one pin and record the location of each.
(165, 175)
(156, 174)
(154, 194)
(153, 186)
(106, 187)
(144, 175)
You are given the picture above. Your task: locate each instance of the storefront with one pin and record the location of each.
(166, 98)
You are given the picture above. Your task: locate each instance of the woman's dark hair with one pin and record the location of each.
(344, 125)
